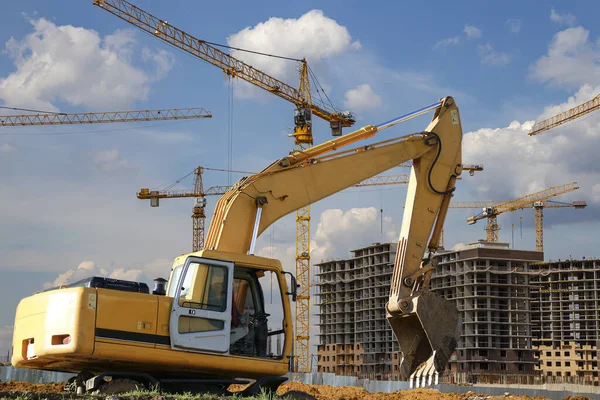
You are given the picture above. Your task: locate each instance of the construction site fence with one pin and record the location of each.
(9, 373)
(462, 378)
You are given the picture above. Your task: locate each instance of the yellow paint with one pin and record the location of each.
(68, 311)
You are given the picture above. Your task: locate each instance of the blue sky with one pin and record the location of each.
(68, 205)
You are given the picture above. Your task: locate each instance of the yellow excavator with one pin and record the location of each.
(223, 317)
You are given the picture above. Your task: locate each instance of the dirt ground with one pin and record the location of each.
(15, 389)
(322, 392)
(31, 387)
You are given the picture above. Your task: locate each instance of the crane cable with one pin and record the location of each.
(252, 51)
(230, 132)
(320, 89)
(28, 110)
(171, 184)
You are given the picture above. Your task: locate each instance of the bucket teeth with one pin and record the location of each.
(425, 375)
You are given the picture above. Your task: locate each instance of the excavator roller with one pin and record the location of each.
(427, 334)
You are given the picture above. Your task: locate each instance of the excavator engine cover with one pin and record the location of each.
(432, 329)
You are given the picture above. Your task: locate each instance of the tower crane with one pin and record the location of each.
(492, 212)
(305, 107)
(486, 205)
(538, 207)
(165, 114)
(233, 67)
(199, 195)
(566, 116)
(103, 117)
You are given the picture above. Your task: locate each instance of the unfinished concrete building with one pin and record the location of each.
(488, 282)
(355, 338)
(566, 318)
(490, 286)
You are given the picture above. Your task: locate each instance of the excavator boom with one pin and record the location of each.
(425, 326)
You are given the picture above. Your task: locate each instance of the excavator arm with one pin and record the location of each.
(425, 326)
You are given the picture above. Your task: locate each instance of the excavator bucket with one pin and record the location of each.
(427, 336)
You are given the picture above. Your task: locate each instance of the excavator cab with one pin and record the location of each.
(226, 307)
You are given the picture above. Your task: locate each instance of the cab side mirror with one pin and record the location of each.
(294, 285)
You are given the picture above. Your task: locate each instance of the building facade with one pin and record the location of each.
(355, 337)
(489, 283)
(566, 318)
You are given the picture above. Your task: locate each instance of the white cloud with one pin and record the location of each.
(491, 57)
(109, 160)
(7, 148)
(79, 67)
(128, 275)
(514, 25)
(313, 36)
(472, 32)
(339, 231)
(362, 98)
(87, 269)
(572, 60)
(164, 61)
(84, 270)
(447, 42)
(517, 164)
(158, 268)
(562, 19)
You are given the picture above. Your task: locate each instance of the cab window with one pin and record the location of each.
(204, 286)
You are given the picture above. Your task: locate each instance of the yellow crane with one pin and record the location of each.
(486, 205)
(492, 212)
(166, 114)
(103, 117)
(566, 116)
(199, 195)
(538, 207)
(209, 52)
(305, 107)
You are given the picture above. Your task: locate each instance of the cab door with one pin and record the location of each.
(202, 300)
